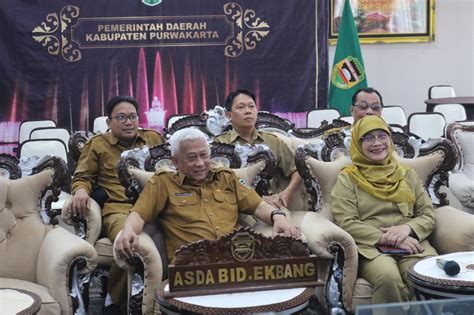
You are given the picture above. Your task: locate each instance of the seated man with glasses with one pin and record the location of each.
(96, 175)
(365, 102)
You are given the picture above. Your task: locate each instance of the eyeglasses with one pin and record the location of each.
(376, 107)
(370, 138)
(123, 118)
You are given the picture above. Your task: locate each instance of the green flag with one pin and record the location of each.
(347, 74)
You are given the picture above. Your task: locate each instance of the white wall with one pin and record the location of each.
(404, 72)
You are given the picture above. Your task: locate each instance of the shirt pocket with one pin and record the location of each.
(226, 205)
(185, 208)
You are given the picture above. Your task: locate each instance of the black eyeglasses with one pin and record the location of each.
(371, 138)
(376, 107)
(123, 118)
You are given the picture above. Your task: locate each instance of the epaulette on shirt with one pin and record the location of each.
(96, 136)
(218, 169)
(164, 169)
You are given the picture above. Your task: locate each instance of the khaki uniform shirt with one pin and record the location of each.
(362, 215)
(285, 156)
(97, 167)
(189, 213)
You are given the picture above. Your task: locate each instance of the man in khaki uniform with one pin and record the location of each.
(365, 102)
(97, 171)
(242, 112)
(196, 202)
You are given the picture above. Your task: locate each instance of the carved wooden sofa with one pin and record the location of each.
(336, 249)
(36, 256)
(135, 169)
(462, 177)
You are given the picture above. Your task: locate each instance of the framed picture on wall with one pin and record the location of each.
(386, 21)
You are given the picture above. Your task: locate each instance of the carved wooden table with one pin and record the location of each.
(17, 301)
(431, 282)
(281, 301)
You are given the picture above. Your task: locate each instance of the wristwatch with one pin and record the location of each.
(277, 212)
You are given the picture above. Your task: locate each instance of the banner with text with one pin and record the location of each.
(63, 60)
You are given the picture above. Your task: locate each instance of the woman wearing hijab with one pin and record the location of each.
(382, 203)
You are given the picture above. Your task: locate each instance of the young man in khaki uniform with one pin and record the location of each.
(242, 112)
(97, 169)
(196, 202)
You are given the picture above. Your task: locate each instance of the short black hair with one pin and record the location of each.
(119, 99)
(366, 90)
(230, 98)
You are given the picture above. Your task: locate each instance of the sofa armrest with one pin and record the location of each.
(87, 228)
(454, 231)
(60, 252)
(149, 256)
(325, 239)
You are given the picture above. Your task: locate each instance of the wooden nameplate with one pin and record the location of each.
(241, 261)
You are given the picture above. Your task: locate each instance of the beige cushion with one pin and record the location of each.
(464, 141)
(326, 173)
(249, 172)
(21, 229)
(423, 165)
(461, 183)
(49, 305)
(140, 176)
(444, 239)
(462, 188)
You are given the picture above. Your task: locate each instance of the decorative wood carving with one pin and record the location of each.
(269, 120)
(226, 153)
(440, 176)
(195, 120)
(240, 261)
(76, 143)
(60, 176)
(307, 133)
(9, 166)
(452, 130)
(206, 251)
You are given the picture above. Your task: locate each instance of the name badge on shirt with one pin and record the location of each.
(183, 194)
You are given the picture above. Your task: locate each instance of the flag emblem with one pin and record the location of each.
(347, 73)
(151, 3)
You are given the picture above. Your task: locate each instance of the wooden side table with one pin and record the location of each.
(281, 301)
(431, 282)
(18, 301)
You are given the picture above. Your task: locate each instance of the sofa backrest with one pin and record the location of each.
(462, 135)
(22, 228)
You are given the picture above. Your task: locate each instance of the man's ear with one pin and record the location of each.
(175, 161)
(228, 115)
(352, 110)
(108, 121)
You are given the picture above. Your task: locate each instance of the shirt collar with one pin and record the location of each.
(114, 140)
(234, 136)
(210, 176)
